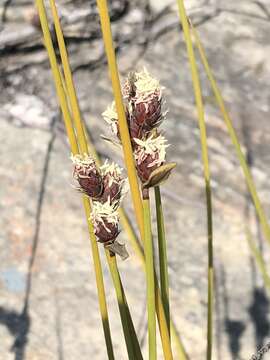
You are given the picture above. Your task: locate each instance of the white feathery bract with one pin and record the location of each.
(151, 146)
(104, 212)
(111, 117)
(83, 160)
(146, 85)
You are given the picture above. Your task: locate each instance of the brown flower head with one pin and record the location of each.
(149, 154)
(144, 95)
(114, 185)
(105, 221)
(143, 106)
(87, 175)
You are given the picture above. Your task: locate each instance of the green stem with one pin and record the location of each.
(74, 148)
(150, 277)
(136, 345)
(259, 259)
(203, 136)
(163, 261)
(99, 283)
(219, 99)
(127, 324)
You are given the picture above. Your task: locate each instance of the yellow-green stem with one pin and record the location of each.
(123, 127)
(160, 311)
(70, 88)
(150, 277)
(124, 134)
(163, 261)
(99, 282)
(73, 101)
(164, 333)
(74, 148)
(203, 136)
(232, 133)
(127, 324)
(258, 258)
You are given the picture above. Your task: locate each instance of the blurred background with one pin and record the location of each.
(51, 312)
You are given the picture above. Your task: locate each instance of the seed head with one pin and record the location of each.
(114, 185)
(105, 221)
(149, 154)
(87, 175)
(144, 95)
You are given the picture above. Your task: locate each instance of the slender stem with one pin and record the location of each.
(123, 127)
(135, 341)
(70, 88)
(179, 347)
(163, 328)
(99, 282)
(74, 148)
(163, 261)
(107, 36)
(150, 277)
(135, 242)
(235, 141)
(259, 259)
(134, 352)
(203, 136)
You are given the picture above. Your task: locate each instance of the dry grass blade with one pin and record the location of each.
(163, 261)
(235, 141)
(258, 258)
(124, 133)
(123, 127)
(74, 148)
(203, 136)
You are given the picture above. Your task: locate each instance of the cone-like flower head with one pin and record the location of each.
(144, 95)
(143, 106)
(114, 185)
(105, 221)
(87, 175)
(149, 154)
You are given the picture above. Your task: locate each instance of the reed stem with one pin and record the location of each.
(150, 277)
(124, 134)
(123, 127)
(134, 352)
(203, 136)
(163, 261)
(258, 258)
(232, 133)
(74, 148)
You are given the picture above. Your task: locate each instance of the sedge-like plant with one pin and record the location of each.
(143, 109)
(232, 133)
(69, 105)
(127, 150)
(138, 118)
(203, 137)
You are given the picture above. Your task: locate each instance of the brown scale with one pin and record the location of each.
(90, 181)
(144, 170)
(106, 232)
(112, 191)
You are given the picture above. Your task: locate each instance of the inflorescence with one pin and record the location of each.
(143, 107)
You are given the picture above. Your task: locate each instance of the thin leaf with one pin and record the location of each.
(123, 127)
(150, 281)
(74, 148)
(233, 135)
(203, 136)
(259, 259)
(163, 261)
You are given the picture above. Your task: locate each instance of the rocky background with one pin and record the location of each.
(51, 312)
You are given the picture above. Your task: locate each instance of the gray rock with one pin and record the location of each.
(42, 216)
